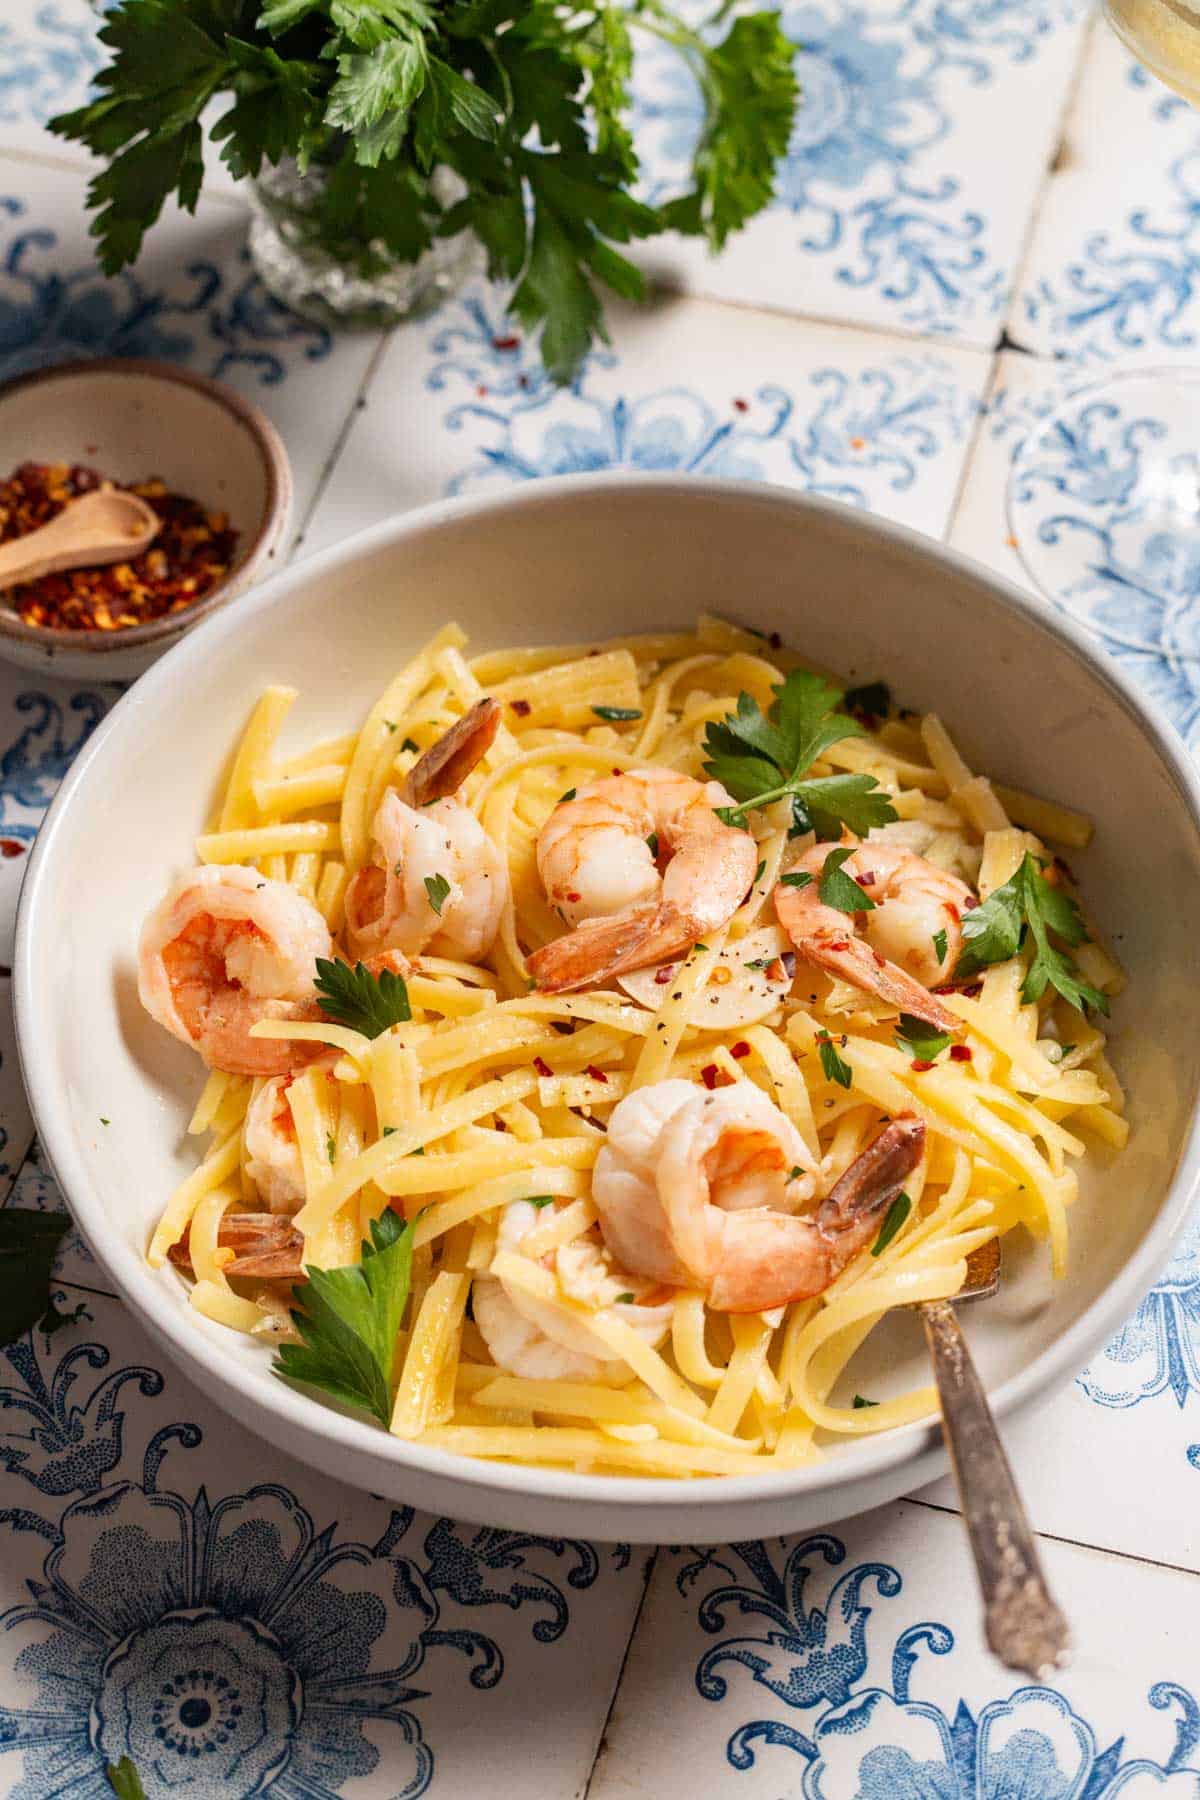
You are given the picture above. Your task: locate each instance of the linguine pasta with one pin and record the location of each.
(495, 1091)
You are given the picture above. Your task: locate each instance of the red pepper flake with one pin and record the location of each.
(522, 708)
(500, 1125)
(740, 405)
(192, 552)
(880, 961)
(564, 1027)
(920, 1065)
(618, 771)
(972, 990)
(708, 1075)
(11, 847)
(866, 879)
(663, 975)
(506, 343)
(574, 898)
(542, 1067)
(960, 1053)
(596, 1074)
(970, 903)
(842, 944)
(740, 1049)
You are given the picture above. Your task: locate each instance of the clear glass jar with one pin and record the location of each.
(349, 282)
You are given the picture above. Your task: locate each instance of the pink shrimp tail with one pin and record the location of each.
(601, 948)
(446, 764)
(854, 961)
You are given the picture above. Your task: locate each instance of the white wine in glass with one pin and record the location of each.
(1165, 36)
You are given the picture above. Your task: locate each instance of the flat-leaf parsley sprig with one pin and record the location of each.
(1022, 914)
(525, 101)
(763, 757)
(349, 1319)
(365, 1002)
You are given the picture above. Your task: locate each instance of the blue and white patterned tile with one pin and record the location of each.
(235, 1635)
(893, 207)
(1085, 488)
(192, 297)
(687, 386)
(1113, 271)
(49, 55)
(849, 1665)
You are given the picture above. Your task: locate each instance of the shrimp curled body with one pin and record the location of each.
(908, 942)
(701, 1190)
(224, 949)
(543, 1342)
(599, 854)
(273, 1160)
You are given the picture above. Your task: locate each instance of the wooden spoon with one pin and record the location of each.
(106, 526)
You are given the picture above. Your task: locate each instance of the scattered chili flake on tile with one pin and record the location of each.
(11, 847)
(192, 552)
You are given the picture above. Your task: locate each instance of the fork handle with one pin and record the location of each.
(1023, 1624)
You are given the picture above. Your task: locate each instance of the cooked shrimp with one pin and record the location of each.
(438, 882)
(272, 1152)
(226, 948)
(543, 1342)
(900, 949)
(267, 1247)
(701, 1190)
(599, 854)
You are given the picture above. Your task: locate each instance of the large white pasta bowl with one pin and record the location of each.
(1031, 701)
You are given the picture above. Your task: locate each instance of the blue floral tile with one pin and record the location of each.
(893, 208)
(240, 1626)
(49, 55)
(848, 1665)
(192, 298)
(1113, 271)
(842, 413)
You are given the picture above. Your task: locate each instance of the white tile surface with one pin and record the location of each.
(460, 402)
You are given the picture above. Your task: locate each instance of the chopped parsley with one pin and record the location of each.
(349, 1319)
(795, 1172)
(437, 888)
(617, 715)
(897, 1212)
(860, 1402)
(918, 1039)
(797, 878)
(410, 744)
(761, 757)
(540, 1200)
(833, 1066)
(758, 874)
(624, 1299)
(569, 795)
(652, 845)
(940, 945)
(331, 1146)
(1024, 912)
(365, 1002)
(841, 890)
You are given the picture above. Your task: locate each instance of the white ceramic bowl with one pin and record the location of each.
(132, 418)
(1030, 700)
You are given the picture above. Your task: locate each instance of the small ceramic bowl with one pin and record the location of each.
(132, 419)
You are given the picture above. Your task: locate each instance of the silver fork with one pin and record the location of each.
(1023, 1623)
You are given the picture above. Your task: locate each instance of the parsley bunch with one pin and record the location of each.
(1022, 914)
(525, 100)
(762, 757)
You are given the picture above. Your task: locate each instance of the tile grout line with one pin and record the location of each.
(357, 405)
(1054, 1537)
(602, 1734)
(973, 444)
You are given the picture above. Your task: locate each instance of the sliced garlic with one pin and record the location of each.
(737, 994)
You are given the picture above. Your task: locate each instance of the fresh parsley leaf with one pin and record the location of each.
(797, 878)
(617, 714)
(834, 1067)
(859, 1402)
(437, 888)
(840, 890)
(29, 1241)
(758, 874)
(652, 844)
(919, 1040)
(331, 1146)
(897, 1212)
(569, 795)
(940, 945)
(365, 1002)
(410, 744)
(795, 1172)
(761, 758)
(539, 1200)
(349, 1319)
(1027, 909)
(124, 1780)
(874, 698)
(624, 1299)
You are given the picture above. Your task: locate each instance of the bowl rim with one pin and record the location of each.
(277, 468)
(308, 1421)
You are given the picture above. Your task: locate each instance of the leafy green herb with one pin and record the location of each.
(624, 1299)
(834, 1067)
(798, 878)
(762, 757)
(897, 1212)
(105, 1121)
(617, 714)
(1027, 910)
(527, 103)
(124, 1780)
(389, 1131)
(331, 1146)
(365, 1002)
(841, 890)
(874, 699)
(569, 795)
(795, 1172)
(860, 1402)
(940, 945)
(696, 947)
(652, 845)
(410, 744)
(758, 874)
(349, 1318)
(391, 725)
(29, 1241)
(437, 888)
(758, 962)
(919, 1040)
(540, 1200)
